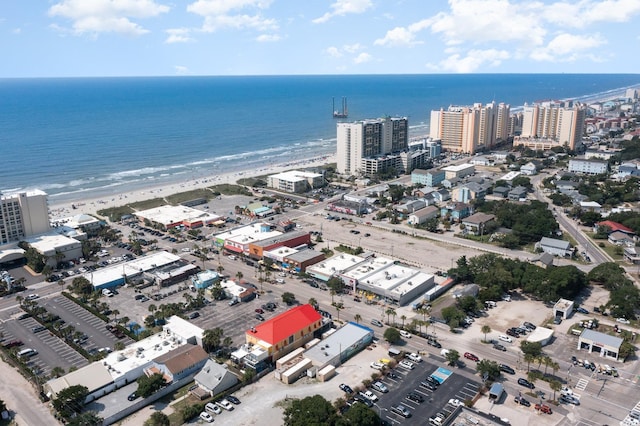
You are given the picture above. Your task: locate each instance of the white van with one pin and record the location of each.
(27, 352)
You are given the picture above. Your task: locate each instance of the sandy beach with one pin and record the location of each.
(92, 205)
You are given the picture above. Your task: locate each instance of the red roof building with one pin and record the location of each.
(286, 332)
(615, 226)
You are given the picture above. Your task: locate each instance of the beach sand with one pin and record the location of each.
(92, 205)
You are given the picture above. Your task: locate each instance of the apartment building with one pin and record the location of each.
(22, 215)
(471, 128)
(552, 124)
(369, 139)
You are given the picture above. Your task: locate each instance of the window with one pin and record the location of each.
(290, 339)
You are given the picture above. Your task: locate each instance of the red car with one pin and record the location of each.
(259, 311)
(543, 408)
(472, 357)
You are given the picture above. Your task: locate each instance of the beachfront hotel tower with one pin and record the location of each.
(470, 129)
(22, 215)
(364, 139)
(549, 124)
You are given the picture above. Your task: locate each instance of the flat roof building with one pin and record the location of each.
(171, 216)
(22, 215)
(604, 344)
(340, 346)
(334, 266)
(295, 181)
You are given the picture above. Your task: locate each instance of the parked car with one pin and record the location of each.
(414, 357)
(507, 369)
(543, 408)
(499, 347)
(569, 399)
(225, 404)
(505, 338)
(345, 388)
(133, 396)
(401, 410)
(623, 320)
(522, 401)
(232, 399)
(194, 315)
(526, 383)
(380, 387)
(434, 343)
(415, 397)
(369, 395)
(206, 417)
(428, 385)
(582, 310)
(407, 364)
(472, 357)
(377, 323)
(212, 408)
(364, 400)
(405, 334)
(377, 365)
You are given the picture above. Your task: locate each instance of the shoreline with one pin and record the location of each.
(91, 205)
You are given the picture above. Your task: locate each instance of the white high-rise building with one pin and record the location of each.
(22, 215)
(369, 139)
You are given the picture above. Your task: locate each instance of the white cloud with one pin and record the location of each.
(333, 52)
(588, 12)
(344, 7)
(473, 60)
(181, 70)
(568, 47)
(106, 16)
(221, 14)
(352, 48)
(265, 38)
(178, 35)
(362, 58)
(17, 31)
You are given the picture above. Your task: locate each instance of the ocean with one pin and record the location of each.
(78, 138)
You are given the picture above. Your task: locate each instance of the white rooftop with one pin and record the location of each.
(279, 253)
(47, 243)
(510, 176)
(252, 238)
(367, 268)
(30, 193)
(457, 167)
(232, 287)
(168, 215)
(336, 264)
(295, 175)
(134, 267)
(396, 279)
(252, 229)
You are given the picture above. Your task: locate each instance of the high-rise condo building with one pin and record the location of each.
(555, 123)
(369, 139)
(22, 215)
(470, 128)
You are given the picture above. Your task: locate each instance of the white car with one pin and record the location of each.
(225, 404)
(505, 338)
(623, 321)
(405, 334)
(206, 417)
(212, 408)
(33, 296)
(455, 402)
(370, 396)
(414, 357)
(406, 364)
(377, 365)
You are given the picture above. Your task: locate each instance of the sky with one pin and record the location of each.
(90, 38)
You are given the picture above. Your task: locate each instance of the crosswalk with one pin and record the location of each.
(582, 384)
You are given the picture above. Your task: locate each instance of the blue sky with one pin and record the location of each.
(62, 38)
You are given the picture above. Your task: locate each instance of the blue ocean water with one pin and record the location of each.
(84, 137)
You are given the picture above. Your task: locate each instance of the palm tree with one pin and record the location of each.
(115, 314)
(403, 318)
(486, 330)
(313, 302)
(152, 308)
(529, 358)
(554, 366)
(57, 371)
(333, 293)
(357, 318)
(239, 275)
(547, 361)
(339, 307)
(555, 386)
(390, 312)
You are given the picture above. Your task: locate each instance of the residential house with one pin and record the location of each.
(427, 177)
(620, 238)
(456, 211)
(404, 210)
(481, 160)
(470, 191)
(477, 222)
(179, 363)
(451, 183)
(529, 169)
(501, 191)
(517, 193)
(215, 378)
(441, 195)
(591, 167)
(421, 216)
(631, 255)
(566, 185)
(614, 226)
(554, 247)
(285, 332)
(590, 206)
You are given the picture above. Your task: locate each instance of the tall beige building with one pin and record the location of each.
(554, 122)
(22, 215)
(367, 139)
(470, 128)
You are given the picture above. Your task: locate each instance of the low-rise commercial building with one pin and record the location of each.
(334, 266)
(554, 247)
(295, 181)
(347, 341)
(590, 167)
(459, 170)
(604, 344)
(168, 216)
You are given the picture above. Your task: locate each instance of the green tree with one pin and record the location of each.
(191, 411)
(357, 318)
(555, 386)
(288, 298)
(56, 371)
(89, 418)
(488, 367)
(211, 339)
(468, 303)
(626, 350)
(485, 329)
(391, 335)
(359, 414)
(81, 286)
(158, 418)
(312, 410)
(70, 401)
(390, 312)
(452, 357)
(148, 385)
